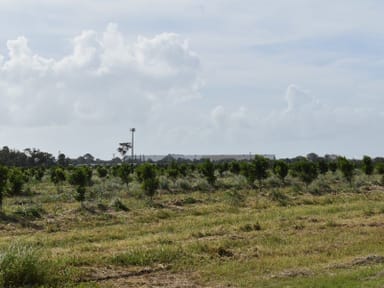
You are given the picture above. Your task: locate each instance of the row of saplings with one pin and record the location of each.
(255, 171)
(13, 179)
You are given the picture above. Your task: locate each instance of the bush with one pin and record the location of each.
(183, 185)
(232, 181)
(273, 182)
(279, 196)
(22, 265)
(16, 182)
(201, 185)
(234, 198)
(207, 169)
(164, 183)
(319, 187)
(147, 175)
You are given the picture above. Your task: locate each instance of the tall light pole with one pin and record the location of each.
(132, 143)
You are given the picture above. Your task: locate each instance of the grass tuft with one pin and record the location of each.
(163, 254)
(22, 265)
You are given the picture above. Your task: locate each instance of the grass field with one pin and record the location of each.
(279, 237)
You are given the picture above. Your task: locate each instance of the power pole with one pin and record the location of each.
(132, 143)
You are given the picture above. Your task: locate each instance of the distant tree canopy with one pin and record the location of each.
(27, 158)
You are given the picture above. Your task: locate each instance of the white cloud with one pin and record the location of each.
(103, 80)
(298, 99)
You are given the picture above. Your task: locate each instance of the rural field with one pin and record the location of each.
(190, 233)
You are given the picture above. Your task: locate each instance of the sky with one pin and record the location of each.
(193, 76)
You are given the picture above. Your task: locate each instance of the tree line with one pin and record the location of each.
(148, 175)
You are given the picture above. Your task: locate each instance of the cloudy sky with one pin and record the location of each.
(193, 76)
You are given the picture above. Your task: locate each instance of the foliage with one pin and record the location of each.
(16, 180)
(124, 173)
(58, 175)
(173, 170)
(279, 196)
(281, 169)
(332, 165)
(38, 173)
(207, 168)
(102, 172)
(368, 166)
(259, 167)
(305, 170)
(380, 168)
(147, 175)
(247, 171)
(23, 266)
(80, 177)
(3, 183)
(234, 167)
(322, 165)
(346, 167)
(235, 198)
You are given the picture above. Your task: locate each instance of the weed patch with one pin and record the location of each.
(163, 254)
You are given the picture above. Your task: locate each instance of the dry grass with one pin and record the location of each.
(202, 239)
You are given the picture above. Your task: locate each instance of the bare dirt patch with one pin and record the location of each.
(145, 277)
(361, 261)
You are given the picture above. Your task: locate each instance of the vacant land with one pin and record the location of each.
(277, 237)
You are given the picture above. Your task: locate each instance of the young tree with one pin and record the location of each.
(173, 170)
(367, 165)
(124, 173)
(260, 169)
(380, 168)
(281, 168)
(39, 173)
(102, 172)
(246, 169)
(57, 175)
(306, 171)
(148, 177)
(322, 165)
(347, 168)
(332, 165)
(207, 168)
(81, 179)
(3, 183)
(16, 180)
(234, 167)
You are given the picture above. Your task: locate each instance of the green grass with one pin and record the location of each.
(241, 238)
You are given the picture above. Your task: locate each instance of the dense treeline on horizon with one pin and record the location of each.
(32, 157)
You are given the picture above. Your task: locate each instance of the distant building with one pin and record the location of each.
(212, 157)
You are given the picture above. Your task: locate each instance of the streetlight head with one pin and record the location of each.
(133, 129)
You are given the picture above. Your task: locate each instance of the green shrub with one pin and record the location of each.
(201, 185)
(207, 169)
(164, 183)
(23, 266)
(183, 185)
(319, 187)
(16, 180)
(234, 198)
(273, 182)
(147, 175)
(232, 181)
(280, 197)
